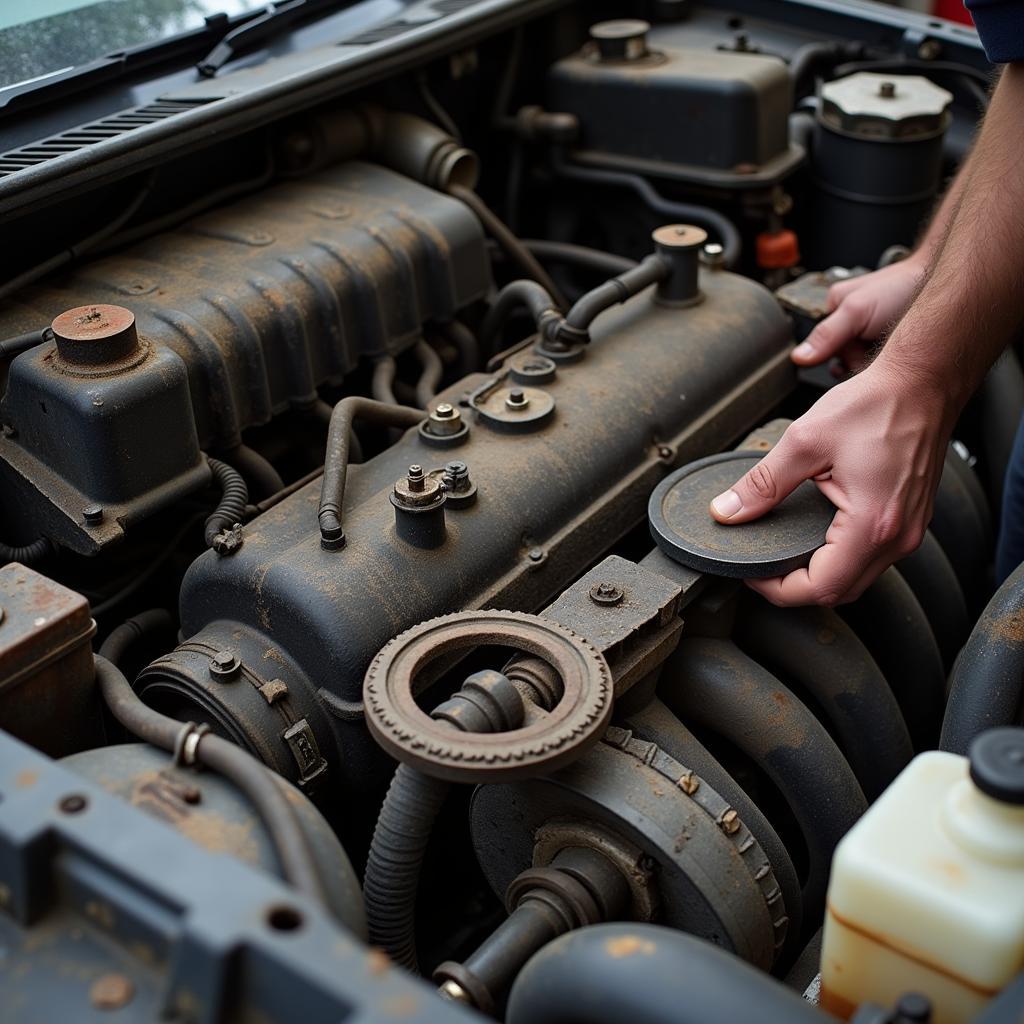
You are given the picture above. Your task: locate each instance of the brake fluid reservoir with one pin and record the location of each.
(927, 889)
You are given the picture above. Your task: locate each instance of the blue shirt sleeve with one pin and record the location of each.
(1000, 24)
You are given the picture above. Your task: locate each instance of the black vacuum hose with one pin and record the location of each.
(234, 497)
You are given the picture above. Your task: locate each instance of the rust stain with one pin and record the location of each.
(400, 1006)
(26, 778)
(629, 945)
(378, 962)
(918, 957)
(1009, 627)
(953, 873)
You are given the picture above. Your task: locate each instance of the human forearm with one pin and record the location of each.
(971, 300)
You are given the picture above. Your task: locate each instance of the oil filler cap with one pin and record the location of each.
(997, 764)
(777, 543)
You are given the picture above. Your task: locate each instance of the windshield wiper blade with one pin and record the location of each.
(276, 18)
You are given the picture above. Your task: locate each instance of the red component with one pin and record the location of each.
(777, 249)
(954, 10)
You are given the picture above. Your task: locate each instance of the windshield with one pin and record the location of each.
(39, 38)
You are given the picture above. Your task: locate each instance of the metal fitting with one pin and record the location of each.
(517, 399)
(606, 593)
(224, 666)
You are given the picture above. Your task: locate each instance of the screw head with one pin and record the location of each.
(536, 555)
(73, 804)
(224, 665)
(93, 515)
(517, 399)
(606, 593)
(887, 90)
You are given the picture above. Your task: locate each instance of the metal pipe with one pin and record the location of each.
(816, 651)
(987, 684)
(646, 974)
(332, 491)
(892, 625)
(712, 684)
(256, 781)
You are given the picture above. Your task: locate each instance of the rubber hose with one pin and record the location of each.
(255, 469)
(336, 459)
(605, 263)
(464, 340)
(720, 225)
(382, 385)
(647, 974)
(931, 577)
(432, 369)
(26, 554)
(892, 625)
(254, 779)
(987, 684)
(234, 497)
(392, 875)
(815, 650)
(123, 636)
(514, 249)
(537, 301)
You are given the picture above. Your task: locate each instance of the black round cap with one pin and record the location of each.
(997, 764)
(779, 542)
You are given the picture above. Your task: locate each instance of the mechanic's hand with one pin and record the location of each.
(862, 310)
(874, 445)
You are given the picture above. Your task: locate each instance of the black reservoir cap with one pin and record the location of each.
(997, 764)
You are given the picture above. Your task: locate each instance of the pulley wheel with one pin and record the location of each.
(779, 542)
(547, 741)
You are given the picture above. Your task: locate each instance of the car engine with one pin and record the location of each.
(354, 660)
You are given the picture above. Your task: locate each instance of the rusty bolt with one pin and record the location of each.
(729, 822)
(73, 804)
(93, 515)
(111, 992)
(689, 783)
(887, 90)
(415, 478)
(517, 399)
(606, 593)
(224, 666)
(456, 476)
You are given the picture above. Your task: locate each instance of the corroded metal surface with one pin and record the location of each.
(547, 741)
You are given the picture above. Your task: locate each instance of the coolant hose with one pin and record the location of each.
(987, 683)
(339, 436)
(647, 974)
(122, 637)
(234, 497)
(254, 779)
(487, 702)
(686, 213)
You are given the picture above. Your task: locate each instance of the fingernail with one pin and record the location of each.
(804, 350)
(727, 504)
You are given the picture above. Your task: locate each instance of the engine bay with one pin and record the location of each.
(349, 668)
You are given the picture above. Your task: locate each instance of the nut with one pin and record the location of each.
(224, 666)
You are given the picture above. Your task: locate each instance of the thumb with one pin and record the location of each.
(847, 323)
(763, 486)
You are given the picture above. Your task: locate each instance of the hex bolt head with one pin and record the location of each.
(444, 421)
(224, 666)
(606, 593)
(887, 90)
(517, 399)
(93, 515)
